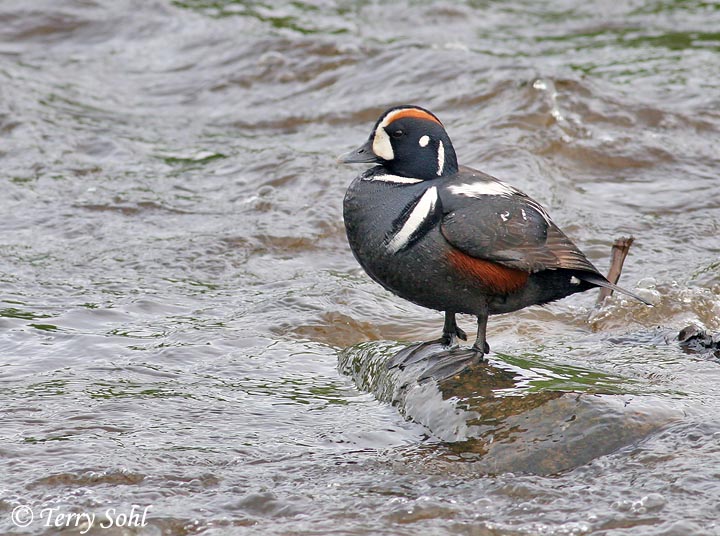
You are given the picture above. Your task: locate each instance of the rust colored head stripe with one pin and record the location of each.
(414, 112)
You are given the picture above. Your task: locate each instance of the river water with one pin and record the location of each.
(176, 288)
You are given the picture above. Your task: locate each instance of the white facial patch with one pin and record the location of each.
(574, 280)
(381, 141)
(395, 179)
(424, 141)
(441, 158)
(481, 188)
(381, 144)
(419, 214)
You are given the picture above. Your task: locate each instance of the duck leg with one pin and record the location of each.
(451, 330)
(481, 346)
(453, 361)
(435, 349)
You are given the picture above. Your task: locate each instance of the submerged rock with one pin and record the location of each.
(694, 339)
(509, 414)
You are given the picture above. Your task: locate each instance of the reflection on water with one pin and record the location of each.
(176, 288)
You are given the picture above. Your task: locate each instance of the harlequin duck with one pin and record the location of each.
(452, 238)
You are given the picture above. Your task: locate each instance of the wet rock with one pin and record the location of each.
(694, 339)
(507, 414)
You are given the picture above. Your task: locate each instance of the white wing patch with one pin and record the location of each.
(394, 179)
(481, 188)
(424, 208)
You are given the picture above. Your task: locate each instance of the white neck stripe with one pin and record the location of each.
(395, 179)
(441, 158)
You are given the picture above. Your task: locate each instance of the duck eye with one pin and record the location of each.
(398, 134)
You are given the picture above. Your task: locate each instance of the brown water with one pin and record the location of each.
(176, 287)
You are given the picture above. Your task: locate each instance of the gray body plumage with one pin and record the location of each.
(511, 231)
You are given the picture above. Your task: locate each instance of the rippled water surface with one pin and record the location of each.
(176, 288)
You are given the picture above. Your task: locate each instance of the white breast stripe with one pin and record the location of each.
(441, 158)
(395, 179)
(422, 210)
(478, 189)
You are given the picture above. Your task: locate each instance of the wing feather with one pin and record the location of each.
(490, 220)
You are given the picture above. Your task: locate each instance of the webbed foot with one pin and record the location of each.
(418, 352)
(446, 364)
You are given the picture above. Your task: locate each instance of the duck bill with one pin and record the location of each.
(362, 155)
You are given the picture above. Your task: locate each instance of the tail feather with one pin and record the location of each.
(600, 281)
